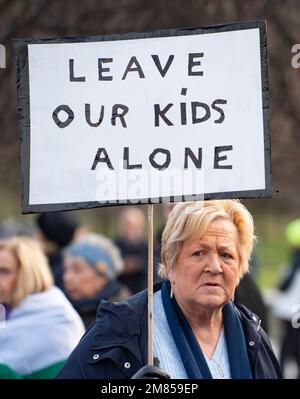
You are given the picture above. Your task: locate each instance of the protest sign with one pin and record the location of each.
(179, 114)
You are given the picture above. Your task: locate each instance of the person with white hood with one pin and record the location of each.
(41, 328)
(286, 300)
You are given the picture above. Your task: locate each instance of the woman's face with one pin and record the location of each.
(8, 275)
(80, 280)
(206, 272)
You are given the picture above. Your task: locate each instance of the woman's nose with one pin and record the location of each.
(213, 263)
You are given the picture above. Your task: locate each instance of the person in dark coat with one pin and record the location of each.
(248, 294)
(90, 269)
(56, 230)
(287, 299)
(198, 331)
(133, 247)
(116, 345)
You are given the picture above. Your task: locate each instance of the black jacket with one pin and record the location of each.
(116, 345)
(87, 308)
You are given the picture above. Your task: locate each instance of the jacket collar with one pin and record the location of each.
(121, 325)
(127, 314)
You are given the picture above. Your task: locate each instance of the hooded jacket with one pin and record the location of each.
(39, 335)
(115, 347)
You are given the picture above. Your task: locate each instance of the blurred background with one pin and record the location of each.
(42, 18)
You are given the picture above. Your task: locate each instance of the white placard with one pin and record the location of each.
(146, 118)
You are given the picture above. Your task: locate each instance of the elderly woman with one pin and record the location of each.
(198, 331)
(90, 269)
(41, 327)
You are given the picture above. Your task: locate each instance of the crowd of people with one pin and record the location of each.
(53, 277)
(60, 282)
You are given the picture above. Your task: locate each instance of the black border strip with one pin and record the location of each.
(266, 107)
(24, 121)
(21, 51)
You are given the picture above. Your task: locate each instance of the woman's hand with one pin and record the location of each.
(151, 372)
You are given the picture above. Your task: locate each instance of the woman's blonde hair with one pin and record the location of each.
(33, 274)
(191, 220)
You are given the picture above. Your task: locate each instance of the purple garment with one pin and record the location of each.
(8, 309)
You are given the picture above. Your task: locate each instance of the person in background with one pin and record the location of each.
(248, 293)
(166, 208)
(285, 303)
(133, 247)
(90, 268)
(55, 230)
(11, 227)
(41, 326)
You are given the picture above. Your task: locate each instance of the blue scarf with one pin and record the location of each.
(191, 354)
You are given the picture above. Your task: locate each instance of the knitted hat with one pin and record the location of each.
(100, 253)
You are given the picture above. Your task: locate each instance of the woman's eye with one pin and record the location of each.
(226, 255)
(198, 253)
(5, 272)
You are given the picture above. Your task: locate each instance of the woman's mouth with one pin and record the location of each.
(212, 284)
